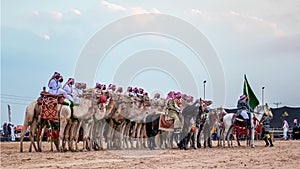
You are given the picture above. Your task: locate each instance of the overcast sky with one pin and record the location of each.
(258, 38)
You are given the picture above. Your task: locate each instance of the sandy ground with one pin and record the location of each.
(285, 154)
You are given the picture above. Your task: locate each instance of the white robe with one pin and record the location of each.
(53, 86)
(64, 93)
(76, 93)
(244, 114)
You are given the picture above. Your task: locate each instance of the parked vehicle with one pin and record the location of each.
(18, 130)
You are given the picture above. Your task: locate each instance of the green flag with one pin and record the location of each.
(253, 101)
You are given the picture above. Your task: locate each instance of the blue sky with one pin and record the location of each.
(257, 38)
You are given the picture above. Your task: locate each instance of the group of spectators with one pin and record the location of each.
(295, 132)
(8, 133)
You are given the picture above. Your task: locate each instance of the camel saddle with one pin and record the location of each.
(165, 123)
(49, 103)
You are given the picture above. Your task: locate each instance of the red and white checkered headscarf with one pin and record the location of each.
(70, 80)
(55, 75)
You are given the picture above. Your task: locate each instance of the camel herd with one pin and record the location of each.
(120, 122)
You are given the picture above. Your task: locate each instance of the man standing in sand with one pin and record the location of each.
(285, 129)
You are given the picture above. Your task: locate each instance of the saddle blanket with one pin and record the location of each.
(165, 125)
(49, 109)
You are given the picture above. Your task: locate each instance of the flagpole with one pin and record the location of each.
(204, 89)
(9, 113)
(252, 130)
(262, 95)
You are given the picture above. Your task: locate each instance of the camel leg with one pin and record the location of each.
(195, 138)
(23, 132)
(67, 135)
(32, 132)
(77, 134)
(130, 134)
(109, 134)
(163, 140)
(133, 136)
(126, 135)
(73, 134)
(122, 135)
(144, 136)
(39, 137)
(95, 137)
(138, 135)
(85, 127)
(119, 140)
(63, 124)
(199, 136)
(101, 134)
(90, 135)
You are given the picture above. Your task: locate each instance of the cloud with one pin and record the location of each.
(113, 6)
(56, 15)
(267, 25)
(131, 10)
(76, 11)
(197, 11)
(46, 15)
(204, 14)
(45, 36)
(240, 21)
(36, 13)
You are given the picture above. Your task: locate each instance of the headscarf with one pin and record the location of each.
(286, 124)
(56, 74)
(243, 96)
(70, 80)
(296, 121)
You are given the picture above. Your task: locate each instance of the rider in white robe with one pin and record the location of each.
(54, 84)
(62, 91)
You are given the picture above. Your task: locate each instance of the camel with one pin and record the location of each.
(64, 118)
(84, 114)
(118, 122)
(103, 112)
(205, 126)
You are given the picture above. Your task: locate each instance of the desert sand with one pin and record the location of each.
(285, 154)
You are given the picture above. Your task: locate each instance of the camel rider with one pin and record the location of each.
(98, 86)
(61, 91)
(129, 91)
(119, 90)
(135, 91)
(140, 95)
(53, 83)
(173, 112)
(243, 108)
(178, 103)
(204, 108)
(68, 88)
(111, 88)
(104, 92)
(265, 126)
(157, 96)
(77, 92)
